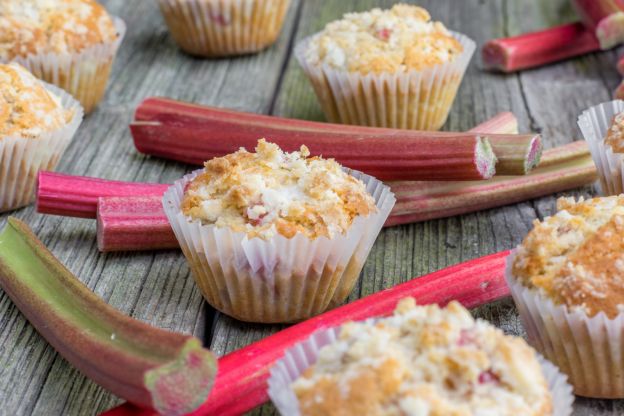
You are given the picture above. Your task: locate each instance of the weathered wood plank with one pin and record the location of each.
(156, 287)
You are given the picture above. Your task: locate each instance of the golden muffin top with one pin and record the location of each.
(576, 257)
(424, 360)
(27, 108)
(59, 26)
(615, 134)
(272, 192)
(399, 39)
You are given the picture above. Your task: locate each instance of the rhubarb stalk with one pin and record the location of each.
(193, 134)
(605, 17)
(76, 196)
(147, 366)
(241, 382)
(535, 49)
(620, 65)
(139, 223)
(619, 91)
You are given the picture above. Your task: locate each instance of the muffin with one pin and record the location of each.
(566, 279)
(603, 129)
(213, 28)
(273, 236)
(423, 360)
(37, 122)
(68, 43)
(386, 68)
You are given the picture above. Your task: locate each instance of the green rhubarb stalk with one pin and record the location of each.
(148, 366)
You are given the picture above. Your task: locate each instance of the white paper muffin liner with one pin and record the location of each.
(419, 100)
(589, 350)
(83, 74)
(304, 354)
(276, 280)
(594, 124)
(214, 28)
(21, 158)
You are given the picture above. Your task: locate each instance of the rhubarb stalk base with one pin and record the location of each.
(22, 158)
(418, 100)
(276, 280)
(304, 354)
(588, 350)
(594, 124)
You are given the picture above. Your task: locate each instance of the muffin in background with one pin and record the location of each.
(567, 279)
(386, 68)
(214, 28)
(274, 236)
(68, 43)
(423, 360)
(603, 130)
(37, 123)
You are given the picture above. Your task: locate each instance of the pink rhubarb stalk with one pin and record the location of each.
(619, 91)
(193, 134)
(76, 196)
(241, 381)
(620, 65)
(139, 223)
(605, 17)
(535, 49)
(148, 366)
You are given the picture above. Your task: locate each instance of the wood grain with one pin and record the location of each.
(157, 287)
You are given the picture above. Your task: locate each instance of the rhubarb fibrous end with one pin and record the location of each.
(180, 386)
(485, 158)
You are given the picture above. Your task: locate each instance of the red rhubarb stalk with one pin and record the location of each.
(535, 49)
(139, 223)
(241, 381)
(193, 134)
(145, 365)
(605, 17)
(76, 196)
(122, 223)
(619, 91)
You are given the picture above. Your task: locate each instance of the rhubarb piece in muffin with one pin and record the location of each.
(37, 122)
(272, 192)
(576, 257)
(424, 360)
(213, 28)
(69, 43)
(567, 278)
(273, 236)
(403, 68)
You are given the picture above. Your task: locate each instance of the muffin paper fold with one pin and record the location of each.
(414, 99)
(83, 74)
(22, 158)
(590, 350)
(224, 27)
(304, 354)
(594, 123)
(280, 279)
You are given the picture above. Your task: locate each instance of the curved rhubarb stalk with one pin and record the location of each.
(76, 196)
(241, 381)
(148, 366)
(606, 17)
(193, 134)
(539, 48)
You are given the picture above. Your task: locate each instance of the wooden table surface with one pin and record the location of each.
(157, 286)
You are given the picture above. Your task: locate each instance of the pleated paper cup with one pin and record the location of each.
(280, 279)
(304, 354)
(419, 100)
(213, 28)
(21, 158)
(589, 350)
(83, 74)
(594, 124)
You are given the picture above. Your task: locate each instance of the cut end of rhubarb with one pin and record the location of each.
(182, 385)
(495, 56)
(534, 154)
(610, 31)
(485, 159)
